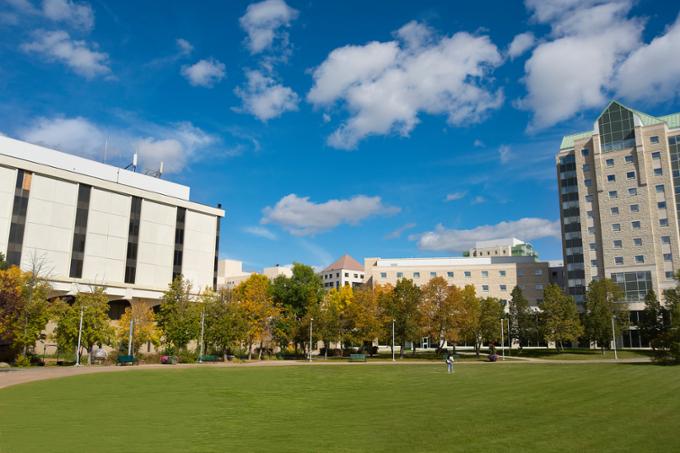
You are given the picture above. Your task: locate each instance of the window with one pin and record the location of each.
(588, 182)
(449, 274)
(669, 275)
(661, 205)
(593, 246)
(356, 275)
(468, 274)
(593, 263)
(485, 288)
(635, 285)
(616, 227)
(639, 259)
(589, 198)
(610, 162)
(658, 172)
(383, 275)
(589, 214)
(630, 175)
(629, 159)
(586, 168)
(433, 274)
(613, 194)
(637, 242)
(538, 272)
(180, 220)
(400, 274)
(485, 274)
(618, 260)
(133, 240)
(632, 191)
(656, 155)
(618, 244)
(337, 275)
(502, 273)
(614, 210)
(539, 287)
(347, 274)
(585, 152)
(654, 139)
(416, 275)
(659, 188)
(611, 178)
(635, 224)
(635, 208)
(665, 239)
(80, 231)
(503, 287)
(667, 257)
(520, 272)
(591, 230)
(663, 222)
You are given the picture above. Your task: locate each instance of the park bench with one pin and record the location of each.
(357, 357)
(209, 358)
(126, 360)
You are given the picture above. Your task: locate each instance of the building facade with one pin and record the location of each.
(618, 204)
(345, 271)
(84, 223)
(230, 274)
(501, 247)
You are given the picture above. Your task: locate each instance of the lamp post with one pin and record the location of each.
(509, 339)
(201, 351)
(132, 327)
(80, 334)
(311, 322)
(616, 356)
(393, 340)
(502, 339)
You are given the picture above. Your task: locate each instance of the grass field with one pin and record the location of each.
(377, 408)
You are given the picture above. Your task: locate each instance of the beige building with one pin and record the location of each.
(618, 207)
(501, 247)
(230, 273)
(274, 271)
(345, 271)
(491, 276)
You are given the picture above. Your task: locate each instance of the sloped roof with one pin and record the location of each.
(345, 262)
(672, 121)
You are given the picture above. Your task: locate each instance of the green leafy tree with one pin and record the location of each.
(144, 329)
(3, 263)
(560, 316)
(438, 310)
(254, 297)
(225, 322)
(178, 317)
(490, 314)
(521, 321)
(404, 308)
(604, 301)
(97, 328)
(364, 315)
(467, 317)
(653, 325)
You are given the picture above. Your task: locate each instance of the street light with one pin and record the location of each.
(201, 351)
(80, 334)
(393, 321)
(311, 322)
(502, 339)
(616, 356)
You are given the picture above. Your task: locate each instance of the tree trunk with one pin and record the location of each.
(89, 355)
(250, 350)
(401, 349)
(325, 352)
(259, 357)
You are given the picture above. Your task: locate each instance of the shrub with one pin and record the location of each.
(22, 361)
(185, 356)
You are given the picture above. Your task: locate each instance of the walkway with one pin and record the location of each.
(24, 375)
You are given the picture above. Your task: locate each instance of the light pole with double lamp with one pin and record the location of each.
(393, 340)
(311, 321)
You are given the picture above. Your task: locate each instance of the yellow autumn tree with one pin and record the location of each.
(254, 298)
(438, 309)
(143, 331)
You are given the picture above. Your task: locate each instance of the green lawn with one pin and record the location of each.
(409, 408)
(581, 354)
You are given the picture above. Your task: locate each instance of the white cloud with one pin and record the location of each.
(264, 97)
(385, 86)
(301, 217)
(520, 44)
(175, 144)
(78, 15)
(74, 135)
(396, 234)
(652, 72)
(260, 231)
(204, 73)
(184, 46)
(478, 200)
(450, 240)
(574, 70)
(478, 143)
(264, 21)
(455, 196)
(80, 56)
(504, 154)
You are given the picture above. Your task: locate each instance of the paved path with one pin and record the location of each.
(21, 376)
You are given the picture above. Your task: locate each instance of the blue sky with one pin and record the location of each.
(376, 128)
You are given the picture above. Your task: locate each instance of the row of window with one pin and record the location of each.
(337, 275)
(467, 274)
(639, 259)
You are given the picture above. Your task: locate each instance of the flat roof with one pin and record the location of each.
(452, 261)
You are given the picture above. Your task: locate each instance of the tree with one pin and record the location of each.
(490, 314)
(521, 322)
(179, 317)
(3, 263)
(403, 308)
(438, 310)
(329, 316)
(364, 315)
(560, 315)
(144, 328)
(255, 301)
(652, 323)
(96, 328)
(604, 302)
(225, 323)
(468, 311)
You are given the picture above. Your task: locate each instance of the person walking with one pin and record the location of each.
(449, 363)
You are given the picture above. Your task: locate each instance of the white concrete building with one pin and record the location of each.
(275, 271)
(346, 271)
(230, 273)
(87, 223)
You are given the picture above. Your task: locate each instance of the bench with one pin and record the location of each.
(209, 358)
(126, 359)
(357, 357)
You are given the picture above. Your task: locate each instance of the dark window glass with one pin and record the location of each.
(179, 242)
(80, 231)
(617, 129)
(133, 240)
(18, 223)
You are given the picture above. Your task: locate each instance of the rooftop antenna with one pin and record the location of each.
(133, 164)
(160, 172)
